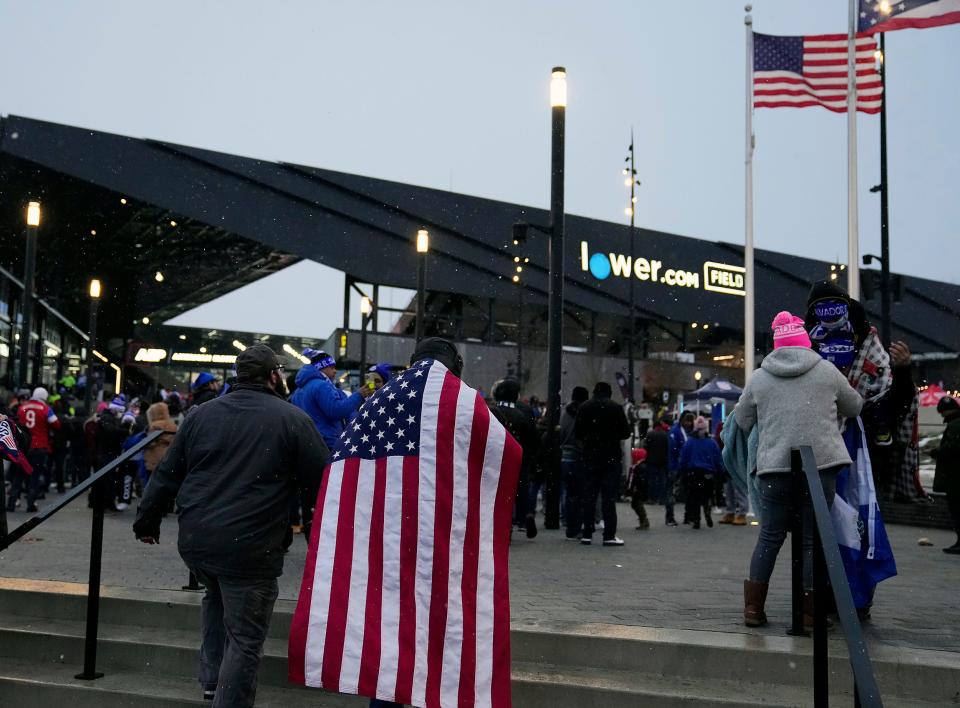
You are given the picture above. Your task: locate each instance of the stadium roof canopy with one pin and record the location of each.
(124, 209)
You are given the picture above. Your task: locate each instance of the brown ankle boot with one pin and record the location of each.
(808, 612)
(754, 598)
(726, 519)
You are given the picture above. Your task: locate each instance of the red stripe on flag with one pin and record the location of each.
(408, 575)
(297, 645)
(471, 552)
(370, 657)
(340, 579)
(806, 104)
(837, 62)
(503, 512)
(443, 520)
(898, 23)
(761, 81)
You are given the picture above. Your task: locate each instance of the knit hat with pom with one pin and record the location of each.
(788, 331)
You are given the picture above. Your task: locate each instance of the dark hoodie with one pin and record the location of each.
(570, 446)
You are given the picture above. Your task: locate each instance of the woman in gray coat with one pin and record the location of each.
(796, 398)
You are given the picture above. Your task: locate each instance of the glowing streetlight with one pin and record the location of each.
(366, 309)
(558, 87)
(697, 375)
(158, 277)
(29, 268)
(423, 246)
(96, 292)
(33, 214)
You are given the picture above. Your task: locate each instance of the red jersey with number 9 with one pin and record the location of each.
(39, 419)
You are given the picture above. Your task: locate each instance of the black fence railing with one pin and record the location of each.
(96, 482)
(827, 565)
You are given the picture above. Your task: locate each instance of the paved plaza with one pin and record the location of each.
(665, 577)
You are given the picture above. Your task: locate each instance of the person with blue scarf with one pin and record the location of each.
(796, 398)
(317, 395)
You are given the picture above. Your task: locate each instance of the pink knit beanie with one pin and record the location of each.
(788, 331)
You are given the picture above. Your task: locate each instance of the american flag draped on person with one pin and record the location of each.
(405, 593)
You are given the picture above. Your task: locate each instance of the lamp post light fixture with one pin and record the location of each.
(423, 247)
(96, 292)
(366, 309)
(558, 104)
(29, 267)
(631, 211)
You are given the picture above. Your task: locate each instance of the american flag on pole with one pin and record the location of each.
(798, 72)
(890, 15)
(405, 593)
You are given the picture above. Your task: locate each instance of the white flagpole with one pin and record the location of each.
(853, 236)
(749, 328)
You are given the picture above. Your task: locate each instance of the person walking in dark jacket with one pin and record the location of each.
(571, 463)
(700, 463)
(518, 419)
(233, 468)
(947, 477)
(601, 426)
(657, 446)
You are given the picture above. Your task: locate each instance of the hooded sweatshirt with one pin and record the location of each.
(797, 398)
(327, 405)
(158, 416)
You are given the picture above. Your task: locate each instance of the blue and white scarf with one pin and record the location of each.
(861, 535)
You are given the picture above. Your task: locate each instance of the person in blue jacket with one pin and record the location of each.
(679, 433)
(316, 395)
(700, 463)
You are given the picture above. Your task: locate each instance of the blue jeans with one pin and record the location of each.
(777, 504)
(235, 618)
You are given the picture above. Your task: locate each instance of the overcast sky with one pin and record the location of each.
(454, 95)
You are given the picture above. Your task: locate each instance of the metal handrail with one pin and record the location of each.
(827, 562)
(96, 546)
(41, 516)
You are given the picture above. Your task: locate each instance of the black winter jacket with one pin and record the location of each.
(234, 467)
(601, 425)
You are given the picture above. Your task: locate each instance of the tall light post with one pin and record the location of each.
(95, 294)
(366, 309)
(423, 247)
(630, 179)
(885, 333)
(558, 103)
(29, 266)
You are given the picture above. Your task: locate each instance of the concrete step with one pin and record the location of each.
(29, 684)
(155, 633)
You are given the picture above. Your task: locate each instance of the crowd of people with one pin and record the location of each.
(64, 442)
(828, 383)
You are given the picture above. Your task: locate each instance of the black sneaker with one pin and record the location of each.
(586, 541)
(955, 548)
(671, 522)
(208, 694)
(531, 526)
(613, 541)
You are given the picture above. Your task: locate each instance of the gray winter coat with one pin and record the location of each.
(797, 399)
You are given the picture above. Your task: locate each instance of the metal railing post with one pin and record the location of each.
(821, 675)
(796, 548)
(93, 591)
